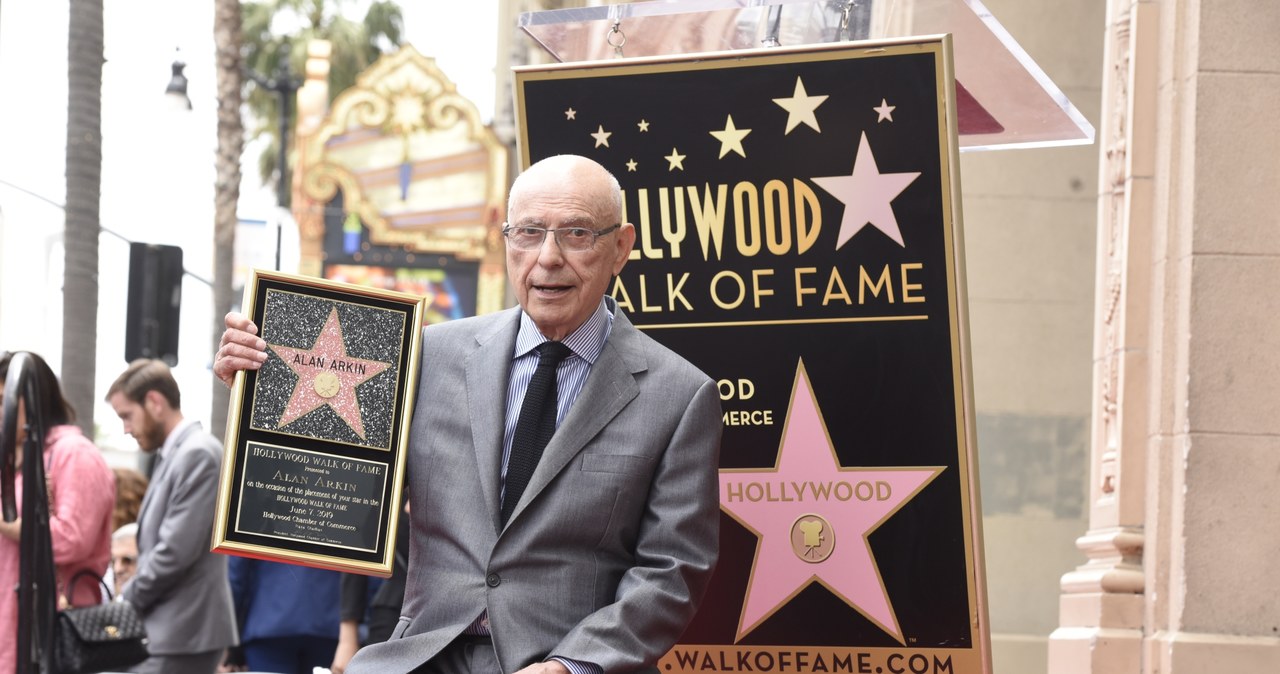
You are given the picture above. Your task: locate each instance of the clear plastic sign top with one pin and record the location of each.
(1004, 100)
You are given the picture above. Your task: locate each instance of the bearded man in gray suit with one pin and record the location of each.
(598, 564)
(180, 588)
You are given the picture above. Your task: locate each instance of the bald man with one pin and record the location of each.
(597, 561)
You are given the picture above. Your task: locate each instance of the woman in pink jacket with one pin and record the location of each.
(82, 494)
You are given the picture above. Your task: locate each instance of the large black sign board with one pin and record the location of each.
(799, 240)
(315, 445)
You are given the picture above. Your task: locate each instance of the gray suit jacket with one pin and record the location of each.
(180, 588)
(611, 546)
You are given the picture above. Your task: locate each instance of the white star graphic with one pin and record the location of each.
(800, 107)
(867, 194)
(675, 159)
(570, 114)
(885, 111)
(601, 136)
(644, 126)
(631, 166)
(731, 138)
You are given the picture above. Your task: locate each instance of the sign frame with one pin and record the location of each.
(314, 459)
(670, 211)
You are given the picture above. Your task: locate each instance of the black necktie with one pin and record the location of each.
(536, 425)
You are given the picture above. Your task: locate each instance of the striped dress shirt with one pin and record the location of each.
(586, 343)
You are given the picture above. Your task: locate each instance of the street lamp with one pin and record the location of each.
(285, 87)
(176, 92)
(154, 295)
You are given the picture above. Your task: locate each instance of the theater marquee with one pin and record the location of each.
(799, 240)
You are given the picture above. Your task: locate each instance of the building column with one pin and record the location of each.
(1214, 452)
(1186, 442)
(1101, 606)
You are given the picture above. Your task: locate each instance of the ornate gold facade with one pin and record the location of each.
(416, 170)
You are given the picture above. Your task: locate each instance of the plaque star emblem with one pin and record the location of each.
(601, 136)
(800, 108)
(570, 114)
(326, 376)
(884, 111)
(675, 160)
(867, 194)
(644, 126)
(731, 138)
(631, 166)
(813, 516)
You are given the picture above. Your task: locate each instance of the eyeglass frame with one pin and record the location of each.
(596, 234)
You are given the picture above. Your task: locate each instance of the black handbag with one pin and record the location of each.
(102, 638)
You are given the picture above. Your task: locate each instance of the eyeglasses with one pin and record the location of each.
(575, 239)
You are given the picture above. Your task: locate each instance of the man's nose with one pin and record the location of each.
(550, 252)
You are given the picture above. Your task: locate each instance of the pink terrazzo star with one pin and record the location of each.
(813, 516)
(327, 376)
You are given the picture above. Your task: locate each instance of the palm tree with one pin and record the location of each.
(227, 38)
(84, 187)
(245, 43)
(356, 45)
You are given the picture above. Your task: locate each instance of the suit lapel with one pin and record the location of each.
(159, 475)
(144, 512)
(487, 370)
(608, 389)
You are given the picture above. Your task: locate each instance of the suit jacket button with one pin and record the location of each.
(493, 580)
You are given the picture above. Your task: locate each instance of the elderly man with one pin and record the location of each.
(590, 554)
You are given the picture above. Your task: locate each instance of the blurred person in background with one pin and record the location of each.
(371, 606)
(288, 616)
(82, 494)
(131, 486)
(124, 555)
(179, 588)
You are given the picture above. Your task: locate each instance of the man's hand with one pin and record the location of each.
(348, 644)
(548, 667)
(240, 349)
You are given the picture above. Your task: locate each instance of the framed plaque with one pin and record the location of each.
(315, 443)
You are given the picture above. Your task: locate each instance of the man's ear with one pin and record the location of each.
(626, 241)
(154, 402)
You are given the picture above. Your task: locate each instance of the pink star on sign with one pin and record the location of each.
(813, 516)
(327, 376)
(867, 194)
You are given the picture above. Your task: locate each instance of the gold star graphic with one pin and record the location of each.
(675, 159)
(885, 111)
(800, 107)
(631, 166)
(731, 138)
(644, 126)
(601, 136)
(570, 114)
